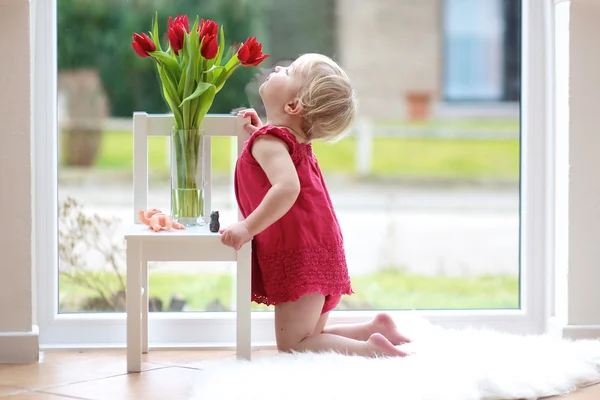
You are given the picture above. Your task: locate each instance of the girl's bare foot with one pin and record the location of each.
(378, 345)
(385, 325)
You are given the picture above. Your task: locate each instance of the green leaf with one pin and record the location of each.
(220, 81)
(172, 79)
(191, 40)
(210, 63)
(196, 24)
(194, 101)
(201, 63)
(221, 46)
(207, 99)
(168, 82)
(215, 69)
(232, 62)
(169, 61)
(227, 71)
(181, 86)
(154, 34)
(202, 87)
(171, 96)
(212, 75)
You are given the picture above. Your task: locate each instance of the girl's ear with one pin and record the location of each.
(294, 107)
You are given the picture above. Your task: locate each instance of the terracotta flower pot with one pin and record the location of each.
(418, 105)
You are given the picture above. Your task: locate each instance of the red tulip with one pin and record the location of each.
(176, 35)
(143, 45)
(180, 20)
(251, 53)
(210, 47)
(176, 32)
(208, 27)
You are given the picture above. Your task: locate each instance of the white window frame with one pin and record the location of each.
(218, 329)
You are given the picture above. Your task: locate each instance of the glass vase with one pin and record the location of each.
(187, 177)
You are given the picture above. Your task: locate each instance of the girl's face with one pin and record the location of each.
(280, 89)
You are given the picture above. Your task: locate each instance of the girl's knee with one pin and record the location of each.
(295, 321)
(291, 341)
(289, 346)
(285, 348)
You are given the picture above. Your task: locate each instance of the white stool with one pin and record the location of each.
(192, 244)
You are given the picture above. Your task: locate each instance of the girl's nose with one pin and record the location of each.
(277, 68)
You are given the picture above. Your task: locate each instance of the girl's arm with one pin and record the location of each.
(273, 156)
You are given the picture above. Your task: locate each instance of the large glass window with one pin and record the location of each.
(435, 199)
(428, 203)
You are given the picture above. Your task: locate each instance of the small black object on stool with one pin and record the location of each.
(214, 224)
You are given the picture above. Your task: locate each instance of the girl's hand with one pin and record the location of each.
(255, 122)
(235, 235)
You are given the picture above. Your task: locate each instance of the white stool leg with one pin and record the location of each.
(145, 306)
(134, 288)
(244, 306)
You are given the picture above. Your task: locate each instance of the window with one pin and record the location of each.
(421, 231)
(482, 50)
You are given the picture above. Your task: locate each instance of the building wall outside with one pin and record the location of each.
(390, 47)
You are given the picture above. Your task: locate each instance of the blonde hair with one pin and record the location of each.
(327, 97)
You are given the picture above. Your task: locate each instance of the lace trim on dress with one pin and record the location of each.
(294, 273)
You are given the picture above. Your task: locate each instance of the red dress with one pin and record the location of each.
(302, 252)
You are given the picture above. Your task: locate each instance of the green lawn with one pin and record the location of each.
(386, 289)
(393, 157)
(482, 125)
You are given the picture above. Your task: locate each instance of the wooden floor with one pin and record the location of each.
(98, 374)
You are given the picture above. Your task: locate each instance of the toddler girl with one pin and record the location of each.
(298, 260)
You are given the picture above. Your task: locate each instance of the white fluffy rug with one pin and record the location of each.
(446, 365)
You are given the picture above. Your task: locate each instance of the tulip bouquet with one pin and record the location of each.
(191, 72)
